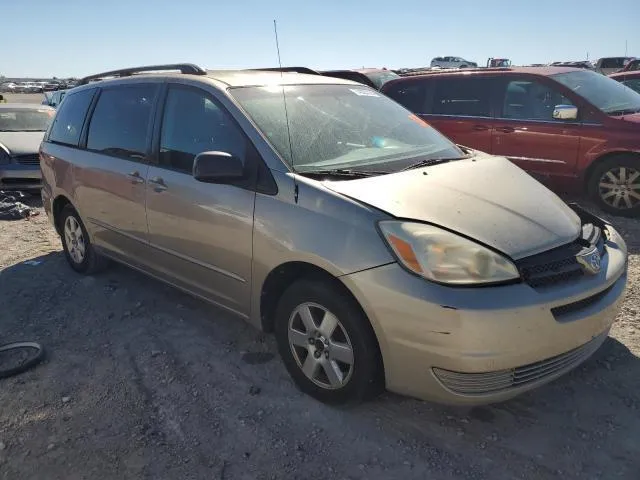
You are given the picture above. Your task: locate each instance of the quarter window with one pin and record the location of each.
(67, 125)
(470, 97)
(193, 123)
(531, 100)
(120, 122)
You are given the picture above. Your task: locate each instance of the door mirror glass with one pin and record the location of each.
(217, 167)
(565, 112)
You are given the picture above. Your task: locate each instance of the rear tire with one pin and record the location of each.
(614, 185)
(77, 246)
(327, 343)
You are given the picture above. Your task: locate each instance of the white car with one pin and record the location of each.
(452, 62)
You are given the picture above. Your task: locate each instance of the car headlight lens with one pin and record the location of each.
(5, 159)
(445, 257)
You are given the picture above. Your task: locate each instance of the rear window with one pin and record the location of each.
(470, 97)
(120, 123)
(67, 125)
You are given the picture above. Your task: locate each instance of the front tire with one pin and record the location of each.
(327, 343)
(615, 185)
(77, 246)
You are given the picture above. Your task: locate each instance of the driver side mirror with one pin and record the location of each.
(217, 167)
(565, 112)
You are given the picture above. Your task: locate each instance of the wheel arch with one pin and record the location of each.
(284, 275)
(58, 205)
(603, 158)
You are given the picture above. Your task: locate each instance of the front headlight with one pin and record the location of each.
(445, 257)
(5, 159)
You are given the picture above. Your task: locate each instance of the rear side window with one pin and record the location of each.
(411, 95)
(120, 122)
(67, 126)
(470, 97)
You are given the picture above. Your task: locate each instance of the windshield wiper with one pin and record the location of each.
(344, 172)
(432, 161)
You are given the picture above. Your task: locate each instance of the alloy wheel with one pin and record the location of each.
(620, 187)
(74, 239)
(321, 346)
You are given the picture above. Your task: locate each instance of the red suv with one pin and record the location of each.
(573, 129)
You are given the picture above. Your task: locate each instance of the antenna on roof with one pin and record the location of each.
(286, 112)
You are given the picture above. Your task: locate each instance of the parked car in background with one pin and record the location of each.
(585, 64)
(8, 87)
(22, 128)
(53, 99)
(452, 62)
(372, 77)
(342, 222)
(498, 62)
(630, 79)
(632, 66)
(608, 65)
(572, 129)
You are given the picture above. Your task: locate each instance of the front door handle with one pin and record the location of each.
(506, 129)
(135, 178)
(158, 184)
(480, 128)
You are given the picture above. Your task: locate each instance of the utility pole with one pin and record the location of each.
(625, 48)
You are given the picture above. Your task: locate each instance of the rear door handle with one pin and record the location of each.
(506, 129)
(158, 184)
(135, 177)
(480, 128)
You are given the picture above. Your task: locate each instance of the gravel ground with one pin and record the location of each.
(143, 381)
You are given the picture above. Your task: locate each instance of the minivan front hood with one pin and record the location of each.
(485, 198)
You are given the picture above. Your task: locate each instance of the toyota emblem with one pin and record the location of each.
(590, 261)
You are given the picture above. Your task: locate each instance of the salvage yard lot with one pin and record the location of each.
(143, 381)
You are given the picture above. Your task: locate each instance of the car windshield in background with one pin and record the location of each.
(610, 96)
(24, 120)
(380, 78)
(342, 126)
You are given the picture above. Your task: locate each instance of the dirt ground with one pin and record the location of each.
(143, 381)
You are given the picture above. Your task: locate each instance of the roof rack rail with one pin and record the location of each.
(186, 68)
(306, 70)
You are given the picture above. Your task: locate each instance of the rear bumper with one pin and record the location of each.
(470, 346)
(20, 177)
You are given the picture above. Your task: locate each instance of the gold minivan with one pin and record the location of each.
(380, 253)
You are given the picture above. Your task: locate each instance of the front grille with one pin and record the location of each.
(560, 264)
(569, 308)
(33, 159)
(494, 382)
